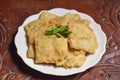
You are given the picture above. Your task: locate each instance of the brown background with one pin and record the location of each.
(14, 12)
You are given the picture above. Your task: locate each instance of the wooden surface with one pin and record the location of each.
(14, 12)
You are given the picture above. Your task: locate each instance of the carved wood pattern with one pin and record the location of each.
(13, 13)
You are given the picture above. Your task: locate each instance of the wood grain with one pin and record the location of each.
(14, 12)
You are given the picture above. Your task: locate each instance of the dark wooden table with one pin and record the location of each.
(14, 12)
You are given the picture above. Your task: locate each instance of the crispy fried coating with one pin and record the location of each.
(38, 27)
(50, 49)
(31, 31)
(68, 17)
(82, 37)
(75, 58)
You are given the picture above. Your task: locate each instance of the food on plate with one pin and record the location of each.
(60, 40)
(38, 27)
(82, 37)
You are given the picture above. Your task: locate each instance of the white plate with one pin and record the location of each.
(21, 45)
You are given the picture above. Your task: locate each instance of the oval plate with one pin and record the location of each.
(21, 45)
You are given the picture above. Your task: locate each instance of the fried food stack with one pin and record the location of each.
(65, 52)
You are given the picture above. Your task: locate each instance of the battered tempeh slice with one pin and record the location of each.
(50, 49)
(75, 58)
(82, 37)
(69, 17)
(31, 31)
(36, 27)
